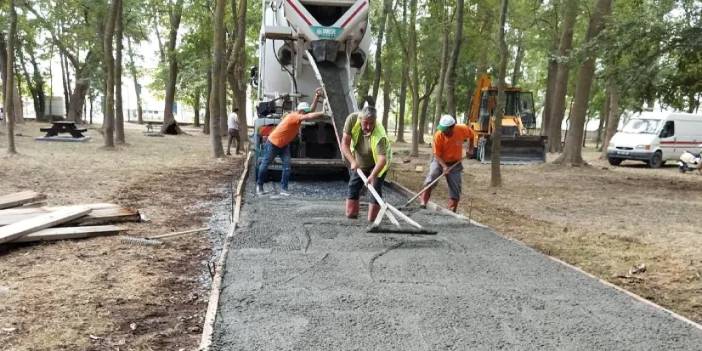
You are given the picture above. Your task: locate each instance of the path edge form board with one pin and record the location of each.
(433, 206)
(216, 288)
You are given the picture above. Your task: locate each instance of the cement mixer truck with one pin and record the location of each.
(304, 45)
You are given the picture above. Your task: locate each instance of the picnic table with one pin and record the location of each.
(59, 127)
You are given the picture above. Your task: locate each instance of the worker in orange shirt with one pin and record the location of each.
(278, 143)
(448, 150)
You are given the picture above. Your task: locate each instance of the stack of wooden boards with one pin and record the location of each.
(22, 219)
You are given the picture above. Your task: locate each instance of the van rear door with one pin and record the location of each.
(668, 141)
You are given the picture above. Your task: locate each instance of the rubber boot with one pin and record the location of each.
(351, 208)
(453, 204)
(373, 210)
(424, 198)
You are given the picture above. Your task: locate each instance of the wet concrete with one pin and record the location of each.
(300, 276)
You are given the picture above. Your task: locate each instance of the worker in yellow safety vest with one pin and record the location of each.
(366, 147)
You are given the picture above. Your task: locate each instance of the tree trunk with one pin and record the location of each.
(137, 87)
(35, 83)
(10, 80)
(206, 124)
(222, 118)
(561, 83)
(403, 101)
(217, 77)
(196, 109)
(75, 108)
(495, 174)
(387, 87)
(550, 86)
(119, 108)
(612, 119)
(240, 70)
(439, 99)
(572, 154)
(412, 48)
(16, 98)
(387, 5)
(66, 88)
(170, 126)
(604, 115)
(108, 123)
(424, 111)
(161, 50)
(517, 71)
(453, 62)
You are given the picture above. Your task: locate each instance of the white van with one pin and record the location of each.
(656, 137)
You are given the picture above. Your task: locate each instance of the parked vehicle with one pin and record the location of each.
(690, 161)
(656, 137)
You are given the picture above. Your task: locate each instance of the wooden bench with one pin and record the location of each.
(60, 127)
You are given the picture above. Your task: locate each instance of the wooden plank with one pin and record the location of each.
(42, 221)
(63, 233)
(102, 213)
(20, 198)
(108, 215)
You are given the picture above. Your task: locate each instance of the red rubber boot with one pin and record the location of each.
(373, 210)
(351, 208)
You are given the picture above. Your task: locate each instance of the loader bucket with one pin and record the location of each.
(516, 150)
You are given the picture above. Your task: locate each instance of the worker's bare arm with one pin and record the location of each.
(379, 165)
(312, 115)
(346, 151)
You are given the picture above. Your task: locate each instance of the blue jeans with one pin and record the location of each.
(270, 151)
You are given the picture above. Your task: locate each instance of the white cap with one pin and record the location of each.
(303, 106)
(446, 121)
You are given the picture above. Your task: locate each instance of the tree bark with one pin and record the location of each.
(424, 109)
(561, 83)
(217, 77)
(196, 109)
(387, 103)
(119, 108)
(161, 50)
(517, 71)
(412, 48)
(108, 123)
(550, 87)
(439, 99)
(206, 125)
(604, 115)
(240, 69)
(495, 172)
(572, 154)
(169, 123)
(400, 125)
(612, 119)
(64, 83)
(387, 5)
(137, 87)
(35, 83)
(453, 62)
(10, 79)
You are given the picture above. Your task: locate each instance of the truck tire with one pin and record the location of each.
(656, 160)
(614, 161)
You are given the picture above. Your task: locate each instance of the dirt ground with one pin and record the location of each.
(600, 218)
(99, 293)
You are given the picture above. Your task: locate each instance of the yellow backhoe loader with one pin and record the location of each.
(517, 147)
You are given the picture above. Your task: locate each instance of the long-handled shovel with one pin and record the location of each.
(429, 185)
(390, 211)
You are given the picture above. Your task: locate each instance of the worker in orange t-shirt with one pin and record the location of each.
(278, 143)
(448, 150)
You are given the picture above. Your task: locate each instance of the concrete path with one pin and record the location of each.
(300, 276)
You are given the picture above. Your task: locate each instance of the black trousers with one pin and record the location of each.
(356, 185)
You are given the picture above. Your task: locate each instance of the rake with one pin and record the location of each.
(154, 240)
(387, 210)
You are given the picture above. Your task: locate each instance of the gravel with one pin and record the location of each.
(300, 276)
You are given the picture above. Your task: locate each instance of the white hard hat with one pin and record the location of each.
(303, 106)
(446, 122)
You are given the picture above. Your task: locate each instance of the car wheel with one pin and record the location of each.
(656, 160)
(615, 161)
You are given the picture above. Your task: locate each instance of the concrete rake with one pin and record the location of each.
(387, 210)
